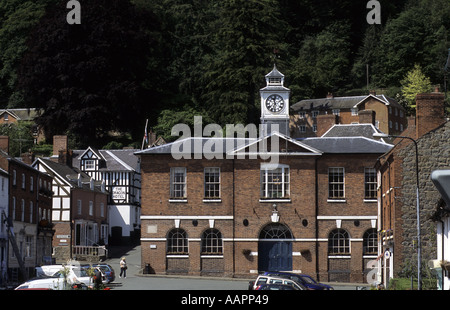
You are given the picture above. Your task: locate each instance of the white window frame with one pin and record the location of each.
(211, 170)
(330, 183)
(176, 193)
(370, 186)
(89, 164)
(266, 170)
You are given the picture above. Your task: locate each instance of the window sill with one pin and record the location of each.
(211, 200)
(272, 200)
(177, 256)
(340, 256)
(370, 200)
(343, 200)
(176, 200)
(211, 256)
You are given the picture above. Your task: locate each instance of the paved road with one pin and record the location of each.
(136, 281)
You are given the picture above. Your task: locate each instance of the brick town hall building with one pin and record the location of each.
(313, 210)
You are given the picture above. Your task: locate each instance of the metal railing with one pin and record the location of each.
(90, 250)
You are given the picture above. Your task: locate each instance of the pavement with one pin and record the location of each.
(132, 256)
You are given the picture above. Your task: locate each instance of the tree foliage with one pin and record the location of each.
(167, 60)
(89, 79)
(415, 82)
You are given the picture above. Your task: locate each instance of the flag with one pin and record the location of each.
(145, 139)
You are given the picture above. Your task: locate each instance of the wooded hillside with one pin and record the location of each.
(168, 60)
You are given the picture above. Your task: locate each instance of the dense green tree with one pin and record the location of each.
(90, 78)
(124, 65)
(245, 34)
(20, 137)
(419, 35)
(323, 63)
(17, 19)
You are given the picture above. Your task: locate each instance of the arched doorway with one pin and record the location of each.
(275, 248)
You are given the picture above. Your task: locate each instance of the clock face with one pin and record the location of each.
(275, 103)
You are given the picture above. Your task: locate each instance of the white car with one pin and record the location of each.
(56, 281)
(47, 270)
(268, 279)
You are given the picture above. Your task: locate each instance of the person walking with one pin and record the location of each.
(123, 268)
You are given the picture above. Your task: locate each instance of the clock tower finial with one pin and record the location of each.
(275, 102)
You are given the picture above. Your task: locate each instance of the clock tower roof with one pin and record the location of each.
(274, 81)
(274, 73)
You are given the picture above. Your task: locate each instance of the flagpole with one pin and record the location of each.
(145, 134)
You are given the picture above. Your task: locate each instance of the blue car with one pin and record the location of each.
(303, 279)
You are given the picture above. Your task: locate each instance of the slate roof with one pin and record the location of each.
(347, 145)
(115, 160)
(198, 144)
(316, 146)
(351, 130)
(340, 103)
(68, 174)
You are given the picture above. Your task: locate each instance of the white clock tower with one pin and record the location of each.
(275, 103)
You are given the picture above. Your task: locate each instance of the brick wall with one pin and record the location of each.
(241, 201)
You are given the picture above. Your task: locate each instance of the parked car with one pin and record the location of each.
(276, 287)
(47, 270)
(75, 276)
(108, 271)
(108, 274)
(303, 279)
(269, 279)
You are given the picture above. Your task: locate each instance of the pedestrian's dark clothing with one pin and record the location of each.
(98, 279)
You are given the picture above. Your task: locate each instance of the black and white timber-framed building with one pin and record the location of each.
(119, 169)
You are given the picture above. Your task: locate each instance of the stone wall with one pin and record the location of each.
(434, 154)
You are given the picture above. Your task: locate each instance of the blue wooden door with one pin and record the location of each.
(275, 255)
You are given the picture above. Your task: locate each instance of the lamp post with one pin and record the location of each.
(419, 246)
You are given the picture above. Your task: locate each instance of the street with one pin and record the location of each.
(136, 281)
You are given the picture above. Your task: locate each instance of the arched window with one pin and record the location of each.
(370, 242)
(338, 242)
(212, 242)
(177, 242)
(275, 231)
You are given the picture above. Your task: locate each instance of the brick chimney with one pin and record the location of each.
(430, 112)
(367, 117)
(325, 122)
(4, 143)
(330, 96)
(27, 158)
(61, 153)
